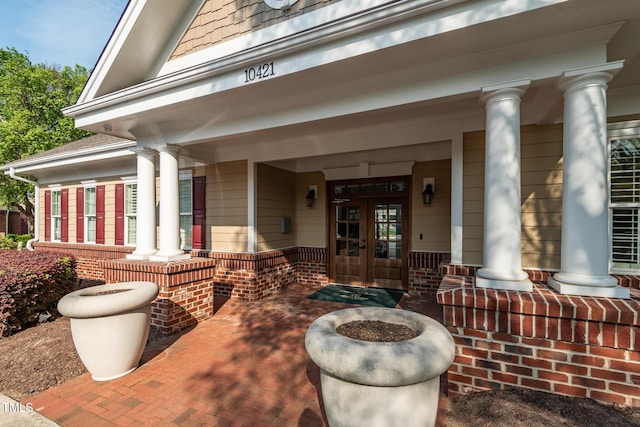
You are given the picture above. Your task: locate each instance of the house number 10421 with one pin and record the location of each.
(259, 72)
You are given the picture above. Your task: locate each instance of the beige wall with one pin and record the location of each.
(275, 200)
(227, 206)
(310, 224)
(432, 221)
(541, 180)
(223, 20)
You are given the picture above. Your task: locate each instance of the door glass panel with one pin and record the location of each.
(341, 230)
(388, 231)
(354, 214)
(382, 187)
(347, 230)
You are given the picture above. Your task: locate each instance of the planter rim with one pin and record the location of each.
(84, 303)
(389, 364)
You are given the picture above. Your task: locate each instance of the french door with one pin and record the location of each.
(369, 235)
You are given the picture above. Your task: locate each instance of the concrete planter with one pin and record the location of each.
(380, 383)
(110, 326)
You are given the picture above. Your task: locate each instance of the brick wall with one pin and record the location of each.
(571, 345)
(424, 272)
(185, 289)
(88, 257)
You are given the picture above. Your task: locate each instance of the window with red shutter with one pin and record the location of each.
(80, 215)
(64, 215)
(100, 214)
(199, 214)
(119, 214)
(47, 215)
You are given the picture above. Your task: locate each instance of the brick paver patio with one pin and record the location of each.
(245, 366)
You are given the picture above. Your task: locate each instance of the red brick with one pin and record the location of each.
(552, 376)
(551, 354)
(605, 397)
(505, 378)
(588, 382)
(609, 375)
(588, 360)
(537, 384)
(629, 390)
(570, 390)
(537, 363)
(571, 369)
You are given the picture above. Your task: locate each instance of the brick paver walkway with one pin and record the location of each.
(245, 366)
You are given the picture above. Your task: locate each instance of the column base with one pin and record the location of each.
(139, 256)
(507, 280)
(166, 257)
(588, 287)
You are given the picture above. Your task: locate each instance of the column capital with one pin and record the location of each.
(507, 90)
(597, 75)
(144, 152)
(168, 148)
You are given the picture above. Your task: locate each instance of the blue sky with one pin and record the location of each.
(59, 32)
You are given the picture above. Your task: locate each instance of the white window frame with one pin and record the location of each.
(186, 243)
(56, 218)
(630, 129)
(87, 217)
(128, 183)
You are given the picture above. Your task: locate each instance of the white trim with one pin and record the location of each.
(39, 164)
(252, 185)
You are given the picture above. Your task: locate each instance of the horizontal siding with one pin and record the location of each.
(310, 223)
(541, 192)
(432, 221)
(275, 200)
(226, 207)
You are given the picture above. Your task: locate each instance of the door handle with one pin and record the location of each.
(362, 247)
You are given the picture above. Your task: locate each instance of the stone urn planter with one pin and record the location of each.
(366, 383)
(110, 326)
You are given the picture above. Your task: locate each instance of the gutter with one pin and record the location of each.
(36, 209)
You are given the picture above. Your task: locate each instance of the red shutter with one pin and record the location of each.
(80, 214)
(198, 231)
(64, 215)
(47, 215)
(100, 214)
(119, 214)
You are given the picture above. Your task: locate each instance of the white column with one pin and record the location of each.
(252, 197)
(169, 249)
(456, 198)
(146, 205)
(584, 266)
(502, 217)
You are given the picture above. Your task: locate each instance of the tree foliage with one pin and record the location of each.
(31, 121)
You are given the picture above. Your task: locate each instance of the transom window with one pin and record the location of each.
(625, 199)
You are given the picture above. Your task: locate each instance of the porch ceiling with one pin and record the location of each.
(433, 78)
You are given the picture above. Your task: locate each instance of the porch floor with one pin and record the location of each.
(245, 366)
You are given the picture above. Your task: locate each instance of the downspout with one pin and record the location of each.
(36, 208)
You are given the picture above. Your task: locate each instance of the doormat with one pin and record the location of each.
(357, 295)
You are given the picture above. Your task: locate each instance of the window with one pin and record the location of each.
(625, 197)
(90, 214)
(130, 212)
(56, 216)
(185, 212)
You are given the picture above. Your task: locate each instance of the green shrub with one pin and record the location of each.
(32, 283)
(24, 238)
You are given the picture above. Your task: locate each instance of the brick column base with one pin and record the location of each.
(542, 340)
(186, 289)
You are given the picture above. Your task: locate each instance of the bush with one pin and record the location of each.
(32, 283)
(10, 241)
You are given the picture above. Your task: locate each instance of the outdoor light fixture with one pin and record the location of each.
(310, 197)
(429, 190)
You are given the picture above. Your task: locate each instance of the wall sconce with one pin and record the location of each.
(311, 195)
(429, 185)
